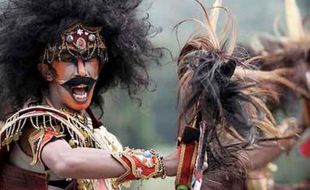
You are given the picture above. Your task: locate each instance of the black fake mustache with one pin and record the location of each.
(79, 81)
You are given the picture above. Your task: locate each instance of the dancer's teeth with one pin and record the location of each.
(80, 97)
(80, 93)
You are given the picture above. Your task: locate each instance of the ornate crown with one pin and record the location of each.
(77, 40)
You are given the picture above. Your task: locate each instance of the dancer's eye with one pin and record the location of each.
(67, 57)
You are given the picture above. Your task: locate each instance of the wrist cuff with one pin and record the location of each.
(139, 164)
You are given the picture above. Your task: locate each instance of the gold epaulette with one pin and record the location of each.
(43, 117)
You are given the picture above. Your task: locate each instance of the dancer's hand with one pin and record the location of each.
(171, 163)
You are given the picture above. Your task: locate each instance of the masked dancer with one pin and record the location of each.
(56, 59)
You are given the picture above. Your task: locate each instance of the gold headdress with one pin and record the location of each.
(77, 40)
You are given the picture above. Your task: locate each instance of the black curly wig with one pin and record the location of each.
(27, 26)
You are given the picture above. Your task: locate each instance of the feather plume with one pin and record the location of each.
(294, 20)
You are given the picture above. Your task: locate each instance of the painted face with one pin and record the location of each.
(74, 81)
(77, 67)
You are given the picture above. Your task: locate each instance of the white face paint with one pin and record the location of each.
(308, 79)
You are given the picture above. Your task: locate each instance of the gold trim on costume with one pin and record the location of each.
(81, 132)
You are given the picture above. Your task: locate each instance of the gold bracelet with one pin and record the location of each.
(162, 170)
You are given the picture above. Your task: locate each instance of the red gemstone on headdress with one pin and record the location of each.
(81, 43)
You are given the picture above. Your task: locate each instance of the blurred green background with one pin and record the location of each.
(153, 125)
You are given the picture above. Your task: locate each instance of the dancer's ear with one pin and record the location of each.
(46, 72)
